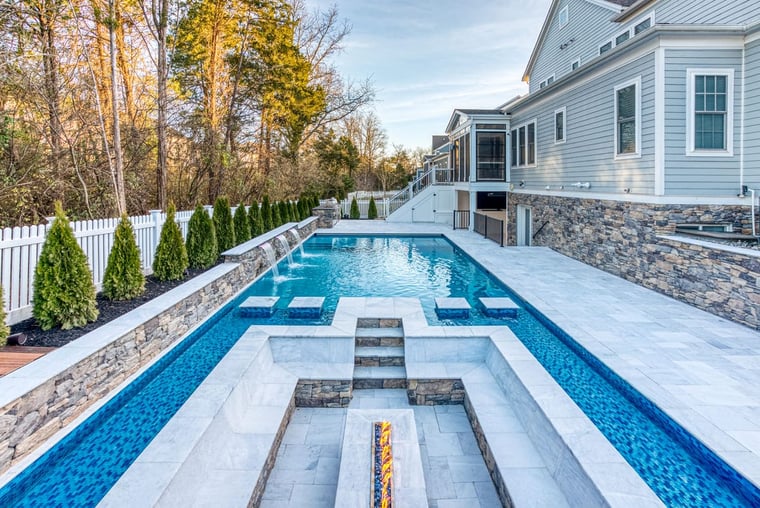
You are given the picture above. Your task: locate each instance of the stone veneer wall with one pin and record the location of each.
(435, 392)
(625, 239)
(29, 420)
(323, 393)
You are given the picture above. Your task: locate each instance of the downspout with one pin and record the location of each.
(741, 138)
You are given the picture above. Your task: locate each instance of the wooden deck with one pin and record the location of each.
(14, 357)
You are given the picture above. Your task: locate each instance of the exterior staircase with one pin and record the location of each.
(379, 355)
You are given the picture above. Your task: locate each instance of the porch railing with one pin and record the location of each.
(461, 219)
(434, 176)
(490, 227)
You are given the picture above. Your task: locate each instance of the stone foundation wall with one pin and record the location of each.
(624, 239)
(488, 457)
(435, 392)
(28, 421)
(323, 393)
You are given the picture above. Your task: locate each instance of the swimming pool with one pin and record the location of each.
(83, 466)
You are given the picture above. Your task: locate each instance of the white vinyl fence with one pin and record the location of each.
(20, 248)
(381, 204)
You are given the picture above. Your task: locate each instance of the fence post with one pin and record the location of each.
(155, 218)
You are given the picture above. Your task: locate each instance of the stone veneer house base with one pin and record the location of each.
(636, 241)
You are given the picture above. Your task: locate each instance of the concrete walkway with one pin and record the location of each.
(702, 370)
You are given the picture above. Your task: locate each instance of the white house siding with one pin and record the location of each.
(588, 153)
(752, 115)
(710, 12)
(589, 25)
(698, 176)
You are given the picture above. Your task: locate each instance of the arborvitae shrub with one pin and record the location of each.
(171, 260)
(284, 212)
(314, 202)
(4, 330)
(372, 208)
(124, 279)
(242, 227)
(202, 250)
(266, 214)
(276, 219)
(225, 230)
(254, 218)
(64, 294)
(354, 212)
(303, 207)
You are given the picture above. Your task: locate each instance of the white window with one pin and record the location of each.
(542, 84)
(560, 122)
(576, 63)
(563, 17)
(628, 119)
(605, 47)
(640, 27)
(550, 80)
(523, 141)
(620, 39)
(709, 115)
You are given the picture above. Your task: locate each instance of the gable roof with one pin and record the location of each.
(454, 120)
(615, 6)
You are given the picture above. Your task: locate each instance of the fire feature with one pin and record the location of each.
(382, 466)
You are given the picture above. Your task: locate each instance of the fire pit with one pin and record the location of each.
(382, 461)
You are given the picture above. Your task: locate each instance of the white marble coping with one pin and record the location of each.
(260, 302)
(501, 303)
(225, 429)
(32, 375)
(355, 476)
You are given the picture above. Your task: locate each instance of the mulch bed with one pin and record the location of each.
(108, 311)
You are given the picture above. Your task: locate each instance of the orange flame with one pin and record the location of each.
(386, 464)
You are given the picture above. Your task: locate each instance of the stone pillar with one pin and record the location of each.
(328, 213)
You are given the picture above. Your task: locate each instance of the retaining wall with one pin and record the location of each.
(39, 399)
(636, 241)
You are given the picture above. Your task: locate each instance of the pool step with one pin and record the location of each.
(388, 356)
(368, 378)
(379, 337)
(379, 355)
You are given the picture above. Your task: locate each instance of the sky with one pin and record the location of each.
(428, 57)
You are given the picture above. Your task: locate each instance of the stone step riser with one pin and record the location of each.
(378, 384)
(379, 361)
(379, 341)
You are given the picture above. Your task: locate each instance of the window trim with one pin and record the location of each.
(691, 74)
(525, 155)
(637, 118)
(578, 61)
(567, 17)
(562, 110)
(630, 30)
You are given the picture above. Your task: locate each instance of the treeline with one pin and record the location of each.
(120, 106)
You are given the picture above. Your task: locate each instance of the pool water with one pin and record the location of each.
(81, 469)
(421, 267)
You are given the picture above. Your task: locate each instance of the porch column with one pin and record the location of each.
(473, 204)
